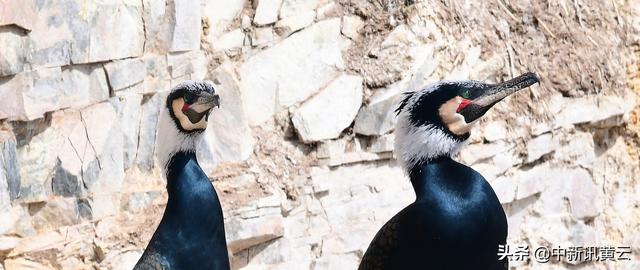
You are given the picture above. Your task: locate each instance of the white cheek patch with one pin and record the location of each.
(176, 106)
(453, 120)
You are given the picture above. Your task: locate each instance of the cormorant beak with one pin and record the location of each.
(205, 103)
(492, 94)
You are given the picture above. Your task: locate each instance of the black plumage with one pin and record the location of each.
(191, 233)
(456, 221)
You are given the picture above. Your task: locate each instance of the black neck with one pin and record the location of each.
(436, 171)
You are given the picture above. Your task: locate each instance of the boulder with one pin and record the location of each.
(148, 130)
(186, 28)
(351, 26)
(244, 233)
(262, 37)
(129, 112)
(84, 85)
(54, 213)
(9, 169)
(292, 70)
(289, 25)
(294, 7)
(157, 70)
(105, 173)
(267, 12)
(592, 109)
(20, 13)
(13, 55)
(231, 40)
(125, 73)
(234, 142)
(219, 15)
(29, 95)
(327, 114)
(541, 145)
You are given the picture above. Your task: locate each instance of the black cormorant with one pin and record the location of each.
(456, 221)
(191, 232)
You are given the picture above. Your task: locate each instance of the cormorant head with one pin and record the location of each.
(190, 103)
(184, 119)
(437, 120)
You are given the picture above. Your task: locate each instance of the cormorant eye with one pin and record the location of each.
(466, 94)
(189, 98)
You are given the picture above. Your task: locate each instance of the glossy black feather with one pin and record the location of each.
(455, 223)
(191, 233)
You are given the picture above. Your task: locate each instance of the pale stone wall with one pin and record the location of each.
(301, 149)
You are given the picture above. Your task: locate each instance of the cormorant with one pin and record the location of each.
(191, 232)
(456, 221)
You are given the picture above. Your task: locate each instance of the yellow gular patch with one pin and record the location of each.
(453, 120)
(176, 105)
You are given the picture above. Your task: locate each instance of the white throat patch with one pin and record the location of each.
(171, 140)
(415, 144)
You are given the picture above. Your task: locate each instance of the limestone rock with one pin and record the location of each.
(584, 196)
(9, 169)
(337, 262)
(291, 24)
(139, 201)
(129, 113)
(592, 109)
(54, 213)
(85, 85)
(495, 130)
(294, 7)
(122, 23)
(229, 135)
(531, 182)
(234, 142)
(125, 73)
(68, 32)
(262, 36)
(105, 173)
(99, 206)
(331, 148)
(351, 25)
(577, 148)
(13, 55)
(230, 40)
(187, 18)
(244, 233)
(29, 95)
(329, 9)
(123, 261)
(292, 70)
(267, 12)
(479, 151)
(148, 129)
(382, 144)
(327, 114)
(541, 145)
(157, 70)
(37, 158)
(505, 189)
(18, 13)
(220, 14)
(377, 118)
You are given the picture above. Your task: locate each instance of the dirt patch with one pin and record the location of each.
(378, 68)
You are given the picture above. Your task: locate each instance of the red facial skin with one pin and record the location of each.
(464, 103)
